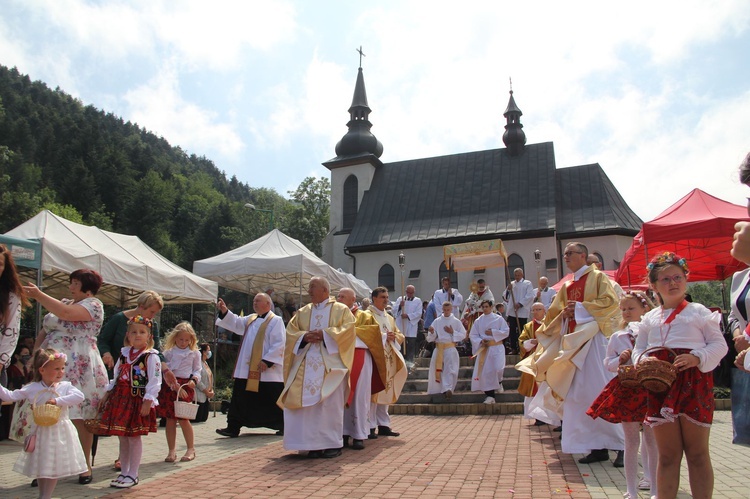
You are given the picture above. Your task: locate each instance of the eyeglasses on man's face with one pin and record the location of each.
(569, 252)
(677, 279)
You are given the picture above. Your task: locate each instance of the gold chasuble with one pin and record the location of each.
(555, 358)
(253, 373)
(336, 365)
(371, 328)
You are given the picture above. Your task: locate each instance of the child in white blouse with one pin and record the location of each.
(682, 416)
(183, 357)
(51, 452)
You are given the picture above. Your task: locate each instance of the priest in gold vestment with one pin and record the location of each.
(569, 359)
(319, 353)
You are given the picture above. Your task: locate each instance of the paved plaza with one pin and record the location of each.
(435, 456)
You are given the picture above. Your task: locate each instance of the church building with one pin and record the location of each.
(515, 193)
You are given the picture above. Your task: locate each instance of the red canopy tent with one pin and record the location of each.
(698, 227)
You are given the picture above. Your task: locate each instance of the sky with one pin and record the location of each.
(657, 93)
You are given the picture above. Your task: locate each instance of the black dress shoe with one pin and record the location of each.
(314, 454)
(85, 480)
(224, 432)
(385, 431)
(35, 483)
(372, 435)
(539, 422)
(330, 453)
(595, 456)
(619, 460)
(280, 433)
(558, 428)
(358, 444)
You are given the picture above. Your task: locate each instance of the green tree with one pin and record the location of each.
(306, 218)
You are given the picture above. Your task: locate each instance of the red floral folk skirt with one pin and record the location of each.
(167, 398)
(122, 414)
(691, 396)
(619, 404)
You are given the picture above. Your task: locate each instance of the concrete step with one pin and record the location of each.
(457, 398)
(463, 384)
(464, 372)
(510, 360)
(453, 409)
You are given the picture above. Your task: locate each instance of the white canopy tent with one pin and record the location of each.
(127, 265)
(274, 261)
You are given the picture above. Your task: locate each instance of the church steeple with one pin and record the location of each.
(514, 136)
(359, 140)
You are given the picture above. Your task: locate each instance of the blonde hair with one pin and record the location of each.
(132, 324)
(639, 298)
(149, 298)
(41, 357)
(182, 327)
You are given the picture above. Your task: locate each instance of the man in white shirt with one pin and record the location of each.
(519, 296)
(449, 294)
(544, 294)
(408, 311)
(258, 373)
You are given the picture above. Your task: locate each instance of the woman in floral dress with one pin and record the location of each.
(71, 327)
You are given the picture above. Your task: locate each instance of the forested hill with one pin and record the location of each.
(92, 167)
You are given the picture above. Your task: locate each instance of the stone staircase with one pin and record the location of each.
(415, 400)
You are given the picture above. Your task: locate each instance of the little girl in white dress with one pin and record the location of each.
(51, 452)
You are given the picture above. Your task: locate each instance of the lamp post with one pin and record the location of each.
(252, 207)
(402, 264)
(538, 259)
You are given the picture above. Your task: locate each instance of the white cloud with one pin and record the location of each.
(158, 107)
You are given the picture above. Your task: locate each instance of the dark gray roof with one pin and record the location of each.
(483, 195)
(588, 202)
(469, 196)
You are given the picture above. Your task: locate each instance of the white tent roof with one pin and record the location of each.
(127, 265)
(274, 261)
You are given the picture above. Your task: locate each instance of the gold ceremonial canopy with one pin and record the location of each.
(475, 255)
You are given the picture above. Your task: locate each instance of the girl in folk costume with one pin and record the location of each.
(620, 404)
(183, 357)
(50, 452)
(527, 344)
(681, 417)
(131, 397)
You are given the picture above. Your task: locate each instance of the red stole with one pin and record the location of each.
(574, 292)
(376, 383)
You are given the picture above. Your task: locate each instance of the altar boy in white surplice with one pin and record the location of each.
(318, 358)
(445, 331)
(487, 335)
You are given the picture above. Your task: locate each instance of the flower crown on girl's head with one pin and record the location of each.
(666, 258)
(55, 356)
(139, 319)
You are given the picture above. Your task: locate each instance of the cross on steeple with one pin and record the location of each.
(361, 54)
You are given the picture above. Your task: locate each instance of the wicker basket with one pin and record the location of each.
(45, 414)
(628, 376)
(94, 426)
(656, 375)
(184, 410)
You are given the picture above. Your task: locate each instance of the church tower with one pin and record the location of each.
(514, 136)
(352, 170)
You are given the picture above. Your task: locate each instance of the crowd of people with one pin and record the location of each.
(325, 377)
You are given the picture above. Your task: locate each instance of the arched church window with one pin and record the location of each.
(386, 277)
(514, 262)
(444, 272)
(351, 188)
